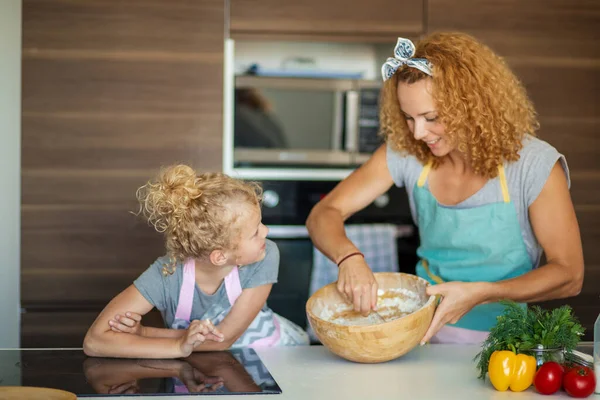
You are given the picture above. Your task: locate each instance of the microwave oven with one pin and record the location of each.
(299, 122)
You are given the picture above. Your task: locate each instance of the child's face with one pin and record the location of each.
(251, 247)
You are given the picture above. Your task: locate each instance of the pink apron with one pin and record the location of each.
(264, 331)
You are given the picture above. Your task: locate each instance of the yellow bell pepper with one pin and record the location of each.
(509, 370)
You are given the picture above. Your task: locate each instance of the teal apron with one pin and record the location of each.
(470, 245)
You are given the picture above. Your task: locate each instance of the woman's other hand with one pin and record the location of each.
(357, 283)
(457, 299)
(129, 323)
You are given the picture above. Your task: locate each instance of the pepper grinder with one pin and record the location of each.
(597, 353)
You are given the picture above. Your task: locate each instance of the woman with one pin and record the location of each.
(488, 197)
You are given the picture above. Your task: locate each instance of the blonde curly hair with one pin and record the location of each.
(194, 211)
(482, 105)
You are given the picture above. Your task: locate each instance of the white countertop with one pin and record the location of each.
(430, 372)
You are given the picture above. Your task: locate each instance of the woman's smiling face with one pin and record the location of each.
(418, 108)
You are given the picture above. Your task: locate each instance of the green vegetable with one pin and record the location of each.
(523, 328)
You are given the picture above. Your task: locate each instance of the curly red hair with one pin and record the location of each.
(483, 106)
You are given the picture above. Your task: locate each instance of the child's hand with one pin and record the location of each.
(197, 333)
(213, 333)
(197, 382)
(128, 323)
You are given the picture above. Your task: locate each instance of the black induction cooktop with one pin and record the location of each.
(237, 371)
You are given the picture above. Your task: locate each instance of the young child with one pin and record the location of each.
(219, 268)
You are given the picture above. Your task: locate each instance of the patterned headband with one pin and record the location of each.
(403, 53)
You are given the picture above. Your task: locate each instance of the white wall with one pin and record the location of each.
(10, 172)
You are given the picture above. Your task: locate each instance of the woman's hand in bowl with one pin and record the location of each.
(357, 283)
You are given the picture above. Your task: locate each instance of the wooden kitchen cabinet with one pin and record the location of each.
(558, 29)
(111, 92)
(327, 20)
(66, 329)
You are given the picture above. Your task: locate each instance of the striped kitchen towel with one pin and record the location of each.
(376, 241)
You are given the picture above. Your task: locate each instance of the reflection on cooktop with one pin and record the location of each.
(237, 371)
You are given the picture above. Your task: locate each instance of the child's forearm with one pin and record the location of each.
(151, 332)
(123, 345)
(211, 345)
(230, 338)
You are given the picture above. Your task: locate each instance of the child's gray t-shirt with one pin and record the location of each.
(163, 291)
(525, 179)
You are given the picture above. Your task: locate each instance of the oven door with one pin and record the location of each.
(289, 296)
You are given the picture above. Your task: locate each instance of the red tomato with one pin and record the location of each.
(579, 382)
(548, 378)
(569, 366)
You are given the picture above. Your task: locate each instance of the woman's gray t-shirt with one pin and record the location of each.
(525, 179)
(163, 291)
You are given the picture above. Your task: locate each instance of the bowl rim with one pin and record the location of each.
(377, 326)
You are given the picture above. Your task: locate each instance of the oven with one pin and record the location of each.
(304, 122)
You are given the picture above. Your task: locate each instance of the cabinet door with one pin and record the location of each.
(525, 29)
(42, 328)
(112, 91)
(313, 17)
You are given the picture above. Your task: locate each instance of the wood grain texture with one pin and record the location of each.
(101, 187)
(585, 190)
(576, 138)
(331, 18)
(65, 329)
(134, 26)
(121, 87)
(589, 225)
(121, 142)
(112, 91)
(533, 28)
(586, 306)
(34, 393)
(561, 91)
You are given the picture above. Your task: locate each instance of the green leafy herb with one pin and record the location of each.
(521, 328)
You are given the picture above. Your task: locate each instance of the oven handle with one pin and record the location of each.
(300, 231)
(287, 232)
(352, 113)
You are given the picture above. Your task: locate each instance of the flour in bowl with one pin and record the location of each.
(391, 304)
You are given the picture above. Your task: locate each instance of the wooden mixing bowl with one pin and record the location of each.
(34, 393)
(378, 342)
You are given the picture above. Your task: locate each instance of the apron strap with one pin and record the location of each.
(503, 184)
(233, 286)
(424, 173)
(433, 277)
(501, 175)
(186, 294)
